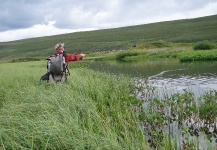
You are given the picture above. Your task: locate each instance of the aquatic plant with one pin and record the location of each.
(178, 117)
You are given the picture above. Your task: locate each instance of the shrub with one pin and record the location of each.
(204, 45)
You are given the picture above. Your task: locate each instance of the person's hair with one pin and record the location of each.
(59, 45)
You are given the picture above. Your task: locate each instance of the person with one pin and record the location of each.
(60, 50)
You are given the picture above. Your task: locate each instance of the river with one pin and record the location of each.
(167, 75)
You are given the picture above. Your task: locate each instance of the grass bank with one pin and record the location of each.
(91, 111)
(199, 55)
(161, 49)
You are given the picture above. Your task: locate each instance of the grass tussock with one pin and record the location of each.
(204, 45)
(91, 111)
(199, 55)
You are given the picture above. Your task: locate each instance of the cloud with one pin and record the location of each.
(207, 9)
(36, 31)
(33, 18)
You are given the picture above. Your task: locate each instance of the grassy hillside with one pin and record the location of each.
(187, 30)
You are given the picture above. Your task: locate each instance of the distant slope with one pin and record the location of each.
(187, 30)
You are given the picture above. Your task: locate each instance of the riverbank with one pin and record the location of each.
(185, 52)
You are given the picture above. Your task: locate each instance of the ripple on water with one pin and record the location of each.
(197, 84)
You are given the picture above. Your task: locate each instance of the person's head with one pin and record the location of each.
(59, 48)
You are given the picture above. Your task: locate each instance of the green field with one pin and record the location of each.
(91, 111)
(177, 31)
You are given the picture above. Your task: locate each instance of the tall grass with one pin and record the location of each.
(91, 111)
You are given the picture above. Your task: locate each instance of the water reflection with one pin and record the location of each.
(168, 74)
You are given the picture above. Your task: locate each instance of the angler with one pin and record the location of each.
(57, 64)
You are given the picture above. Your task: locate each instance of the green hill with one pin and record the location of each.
(187, 30)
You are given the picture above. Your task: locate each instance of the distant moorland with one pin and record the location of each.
(177, 31)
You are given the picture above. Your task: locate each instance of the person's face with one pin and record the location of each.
(60, 49)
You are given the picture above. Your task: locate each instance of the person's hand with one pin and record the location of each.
(82, 55)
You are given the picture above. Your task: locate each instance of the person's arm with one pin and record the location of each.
(74, 57)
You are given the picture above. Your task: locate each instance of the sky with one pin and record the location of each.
(21, 19)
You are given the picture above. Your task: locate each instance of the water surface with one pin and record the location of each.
(168, 75)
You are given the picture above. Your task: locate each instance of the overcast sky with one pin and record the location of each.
(20, 19)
